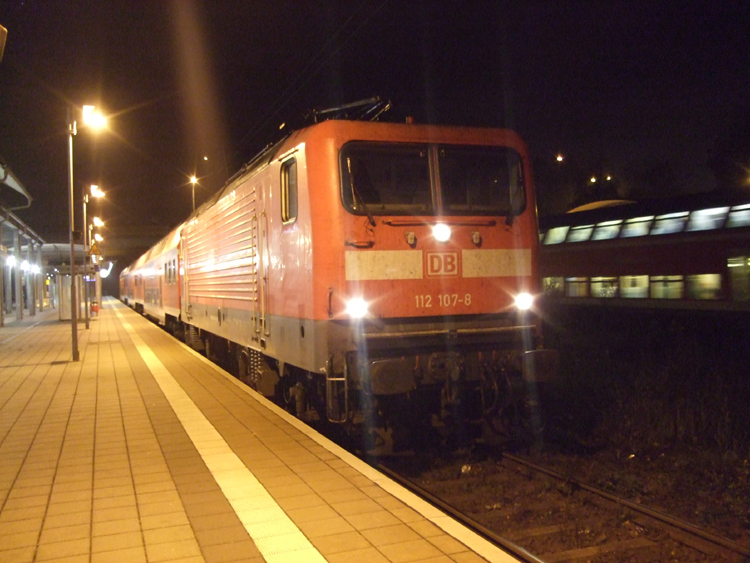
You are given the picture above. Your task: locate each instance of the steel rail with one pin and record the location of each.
(515, 550)
(665, 518)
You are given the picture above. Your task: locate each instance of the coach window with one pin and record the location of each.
(634, 287)
(604, 287)
(707, 219)
(289, 190)
(704, 286)
(554, 286)
(739, 275)
(667, 287)
(607, 230)
(670, 223)
(576, 287)
(636, 227)
(739, 216)
(556, 235)
(581, 233)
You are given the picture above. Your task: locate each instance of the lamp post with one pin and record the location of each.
(193, 181)
(97, 193)
(96, 120)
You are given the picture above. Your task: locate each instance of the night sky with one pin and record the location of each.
(628, 83)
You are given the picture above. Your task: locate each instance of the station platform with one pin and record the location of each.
(144, 451)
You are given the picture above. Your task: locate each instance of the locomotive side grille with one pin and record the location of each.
(226, 271)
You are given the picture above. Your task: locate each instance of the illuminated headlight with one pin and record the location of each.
(524, 301)
(441, 232)
(356, 308)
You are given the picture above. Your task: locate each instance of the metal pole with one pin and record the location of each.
(73, 308)
(18, 277)
(193, 197)
(85, 261)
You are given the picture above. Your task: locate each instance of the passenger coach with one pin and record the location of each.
(690, 253)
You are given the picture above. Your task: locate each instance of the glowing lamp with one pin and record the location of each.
(356, 308)
(441, 232)
(524, 301)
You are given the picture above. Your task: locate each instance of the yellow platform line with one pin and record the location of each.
(275, 535)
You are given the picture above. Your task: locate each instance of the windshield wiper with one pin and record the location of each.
(358, 196)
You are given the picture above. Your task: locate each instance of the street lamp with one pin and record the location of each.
(97, 193)
(193, 181)
(95, 120)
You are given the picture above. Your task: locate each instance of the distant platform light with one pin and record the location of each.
(560, 158)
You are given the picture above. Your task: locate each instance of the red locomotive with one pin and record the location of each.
(376, 275)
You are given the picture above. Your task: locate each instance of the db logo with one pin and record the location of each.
(442, 264)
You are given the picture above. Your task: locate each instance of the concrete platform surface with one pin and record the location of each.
(144, 451)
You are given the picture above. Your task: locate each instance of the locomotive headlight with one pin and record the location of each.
(441, 232)
(356, 308)
(524, 301)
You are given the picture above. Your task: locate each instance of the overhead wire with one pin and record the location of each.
(305, 75)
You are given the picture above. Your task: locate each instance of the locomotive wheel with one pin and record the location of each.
(244, 369)
(497, 399)
(207, 346)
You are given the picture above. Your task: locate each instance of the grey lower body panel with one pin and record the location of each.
(310, 344)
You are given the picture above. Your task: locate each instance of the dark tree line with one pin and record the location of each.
(565, 185)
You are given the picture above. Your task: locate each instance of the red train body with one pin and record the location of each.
(686, 253)
(358, 268)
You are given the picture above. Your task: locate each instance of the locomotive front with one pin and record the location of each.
(431, 273)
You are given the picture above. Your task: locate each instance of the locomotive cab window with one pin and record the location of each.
(481, 181)
(403, 179)
(386, 179)
(289, 190)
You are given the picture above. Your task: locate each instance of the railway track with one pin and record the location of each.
(545, 523)
(539, 515)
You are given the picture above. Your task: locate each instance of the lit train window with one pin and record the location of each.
(553, 286)
(576, 287)
(739, 277)
(604, 287)
(669, 223)
(481, 181)
(739, 216)
(667, 287)
(636, 227)
(382, 178)
(580, 233)
(707, 219)
(607, 230)
(704, 286)
(289, 190)
(556, 235)
(634, 287)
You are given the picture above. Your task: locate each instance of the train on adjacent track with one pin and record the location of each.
(691, 252)
(373, 275)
